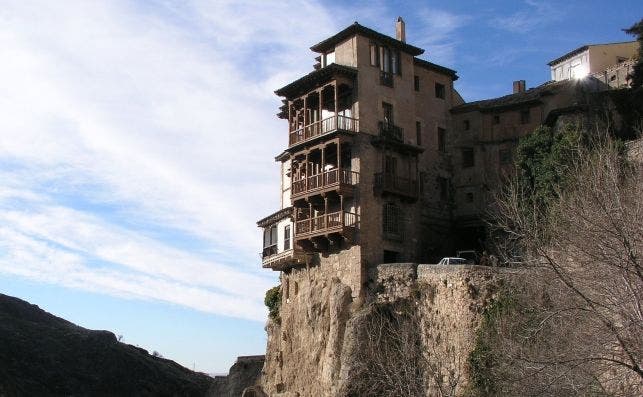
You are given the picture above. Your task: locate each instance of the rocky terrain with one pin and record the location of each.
(44, 355)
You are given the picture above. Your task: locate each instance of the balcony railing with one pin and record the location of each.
(327, 223)
(269, 251)
(395, 184)
(386, 78)
(318, 128)
(281, 259)
(391, 131)
(324, 180)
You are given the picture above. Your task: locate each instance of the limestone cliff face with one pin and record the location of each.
(318, 347)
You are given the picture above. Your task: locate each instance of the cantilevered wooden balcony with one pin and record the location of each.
(386, 183)
(341, 181)
(271, 258)
(326, 126)
(341, 222)
(392, 136)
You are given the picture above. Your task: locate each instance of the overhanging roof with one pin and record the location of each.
(314, 79)
(436, 68)
(356, 28)
(582, 49)
(275, 217)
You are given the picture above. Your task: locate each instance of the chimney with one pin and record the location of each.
(519, 86)
(400, 31)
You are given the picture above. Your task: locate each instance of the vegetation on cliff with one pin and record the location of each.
(273, 302)
(573, 216)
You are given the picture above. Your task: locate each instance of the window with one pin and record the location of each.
(418, 133)
(468, 197)
(504, 156)
(524, 116)
(270, 236)
(390, 165)
(375, 59)
(387, 109)
(416, 83)
(468, 159)
(442, 139)
(496, 119)
(329, 58)
(439, 91)
(443, 185)
(287, 238)
(467, 125)
(392, 221)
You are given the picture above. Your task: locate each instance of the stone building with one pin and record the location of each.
(386, 163)
(364, 170)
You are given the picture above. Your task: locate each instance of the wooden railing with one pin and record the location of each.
(269, 251)
(334, 221)
(327, 179)
(396, 184)
(391, 131)
(317, 128)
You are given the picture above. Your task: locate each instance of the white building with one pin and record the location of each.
(591, 59)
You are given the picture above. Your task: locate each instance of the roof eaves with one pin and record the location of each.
(356, 28)
(315, 76)
(436, 68)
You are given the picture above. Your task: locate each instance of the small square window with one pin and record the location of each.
(469, 197)
(468, 159)
(416, 83)
(467, 125)
(496, 119)
(440, 91)
(524, 116)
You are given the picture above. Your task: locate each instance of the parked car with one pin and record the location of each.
(454, 261)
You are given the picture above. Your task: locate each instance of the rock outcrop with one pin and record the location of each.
(244, 375)
(44, 355)
(318, 346)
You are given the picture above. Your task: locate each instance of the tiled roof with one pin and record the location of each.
(312, 79)
(532, 95)
(436, 68)
(275, 217)
(581, 49)
(356, 28)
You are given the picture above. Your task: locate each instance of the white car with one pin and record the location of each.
(453, 261)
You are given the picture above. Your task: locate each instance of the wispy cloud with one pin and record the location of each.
(136, 144)
(536, 14)
(437, 33)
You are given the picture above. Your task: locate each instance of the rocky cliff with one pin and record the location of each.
(44, 355)
(417, 323)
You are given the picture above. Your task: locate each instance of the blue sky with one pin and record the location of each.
(137, 144)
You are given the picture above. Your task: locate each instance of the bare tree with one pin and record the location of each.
(576, 325)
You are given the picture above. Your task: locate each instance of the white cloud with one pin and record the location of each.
(437, 34)
(165, 116)
(536, 15)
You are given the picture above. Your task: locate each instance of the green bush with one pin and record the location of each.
(273, 302)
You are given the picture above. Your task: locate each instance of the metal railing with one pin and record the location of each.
(391, 131)
(396, 184)
(334, 221)
(386, 78)
(321, 127)
(327, 179)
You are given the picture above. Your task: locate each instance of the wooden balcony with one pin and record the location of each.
(323, 127)
(340, 222)
(393, 184)
(272, 259)
(340, 180)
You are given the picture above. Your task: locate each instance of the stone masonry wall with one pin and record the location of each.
(310, 352)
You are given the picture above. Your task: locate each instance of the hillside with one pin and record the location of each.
(41, 354)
